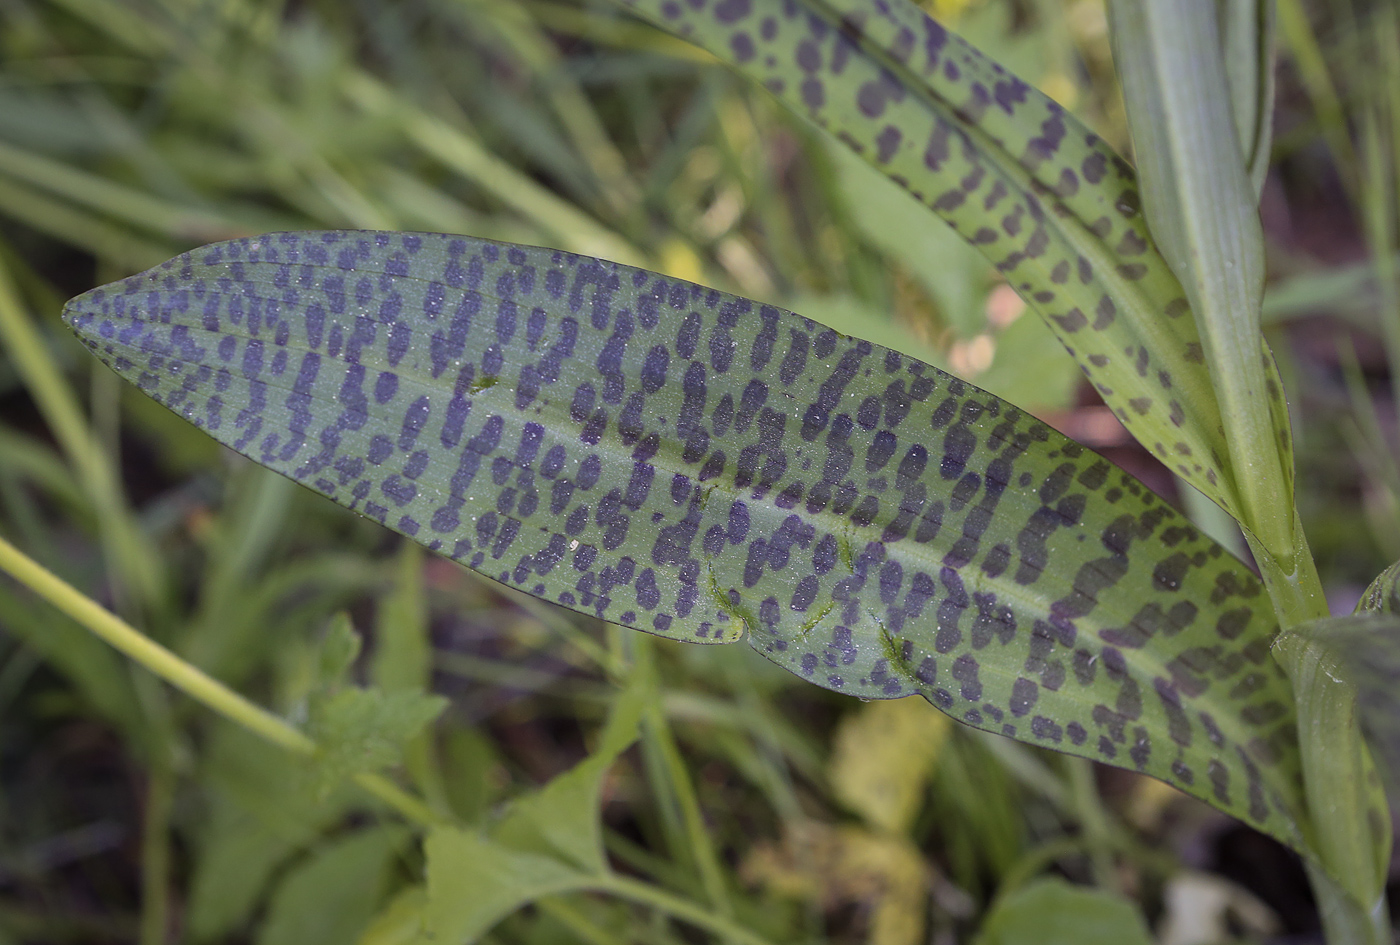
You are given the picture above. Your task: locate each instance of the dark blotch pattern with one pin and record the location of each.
(1012, 172)
(695, 465)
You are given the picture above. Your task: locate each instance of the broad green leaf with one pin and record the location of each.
(1201, 205)
(1052, 912)
(331, 898)
(474, 882)
(1039, 194)
(561, 819)
(263, 808)
(400, 922)
(547, 842)
(692, 464)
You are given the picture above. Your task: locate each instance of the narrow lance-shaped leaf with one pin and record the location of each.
(681, 461)
(1042, 196)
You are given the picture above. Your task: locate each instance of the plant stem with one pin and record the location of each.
(189, 679)
(126, 546)
(1092, 820)
(677, 907)
(155, 856)
(657, 732)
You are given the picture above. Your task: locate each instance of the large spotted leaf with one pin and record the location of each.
(695, 465)
(1043, 197)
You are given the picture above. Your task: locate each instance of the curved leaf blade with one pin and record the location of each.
(1039, 194)
(1203, 209)
(1344, 671)
(1382, 596)
(689, 463)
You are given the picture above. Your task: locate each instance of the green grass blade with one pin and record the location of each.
(681, 461)
(1037, 192)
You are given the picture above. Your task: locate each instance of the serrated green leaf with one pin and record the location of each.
(358, 730)
(1052, 912)
(1038, 193)
(685, 462)
(330, 898)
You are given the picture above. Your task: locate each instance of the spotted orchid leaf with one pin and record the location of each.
(1039, 194)
(695, 465)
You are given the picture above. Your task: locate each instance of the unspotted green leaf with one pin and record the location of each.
(547, 842)
(474, 882)
(1052, 912)
(263, 808)
(331, 897)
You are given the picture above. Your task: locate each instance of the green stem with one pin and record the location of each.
(1092, 819)
(189, 679)
(126, 546)
(657, 733)
(691, 912)
(566, 914)
(155, 856)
